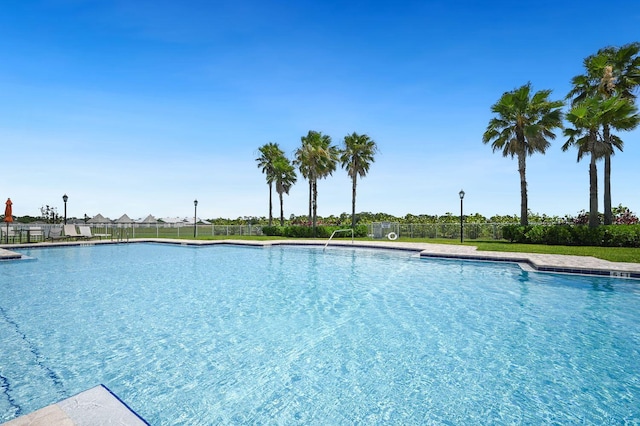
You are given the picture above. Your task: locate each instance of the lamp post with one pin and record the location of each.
(195, 220)
(461, 194)
(65, 198)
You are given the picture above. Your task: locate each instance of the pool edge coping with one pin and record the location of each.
(96, 405)
(553, 263)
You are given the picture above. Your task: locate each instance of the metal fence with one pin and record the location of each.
(472, 231)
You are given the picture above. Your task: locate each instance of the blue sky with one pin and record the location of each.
(142, 106)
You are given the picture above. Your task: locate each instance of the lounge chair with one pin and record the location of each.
(71, 232)
(85, 232)
(55, 233)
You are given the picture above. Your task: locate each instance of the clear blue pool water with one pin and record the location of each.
(234, 335)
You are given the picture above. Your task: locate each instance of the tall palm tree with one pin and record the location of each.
(269, 153)
(284, 178)
(523, 126)
(302, 161)
(587, 119)
(609, 72)
(356, 158)
(316, 159)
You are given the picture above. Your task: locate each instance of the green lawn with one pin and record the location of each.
(613, 254)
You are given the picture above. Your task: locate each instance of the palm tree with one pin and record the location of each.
(587, 118)
(284, 178)
(316, 159)
(302, 161)
(523, 127)
(270, 152)
(356, 158)
(609, 72)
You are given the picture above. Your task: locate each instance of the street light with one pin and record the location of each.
(195, 215)
(65, 198)
(461, 194)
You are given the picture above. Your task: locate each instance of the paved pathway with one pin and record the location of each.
(540, 262)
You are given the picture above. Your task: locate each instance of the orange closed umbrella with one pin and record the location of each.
(8, 216)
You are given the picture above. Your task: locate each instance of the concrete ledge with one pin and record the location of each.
(539, 262)
(9, 255)
(96, 406)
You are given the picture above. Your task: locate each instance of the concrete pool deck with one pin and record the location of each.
(101, 402)
(96, 406)
(585, 265)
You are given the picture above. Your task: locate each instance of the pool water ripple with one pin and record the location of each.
(235, 335)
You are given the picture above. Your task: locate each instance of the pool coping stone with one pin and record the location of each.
(555, 263)
(95, 406)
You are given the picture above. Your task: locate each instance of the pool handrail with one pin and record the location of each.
(334, 233)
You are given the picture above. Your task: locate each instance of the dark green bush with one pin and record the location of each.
(536, 234)
(584, 235)
(621, 236)
(515, 233)
(307, 231)
(559, 235)
(578, 235)
(273, 230)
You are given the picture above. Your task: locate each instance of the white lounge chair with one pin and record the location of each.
(71, 232)
(55, 233)
(85, 232)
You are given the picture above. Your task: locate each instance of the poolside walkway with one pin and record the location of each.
(85, 409)
(537, 262)
(96, 406)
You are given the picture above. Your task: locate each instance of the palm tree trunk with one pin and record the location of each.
(353, 200)
(270, 204)
(524, 209)
(593, 193)
(315, 206)
(608, 214)
(281, 210)
(310, 199)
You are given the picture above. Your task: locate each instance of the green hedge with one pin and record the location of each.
(307, 231)
(574, 235)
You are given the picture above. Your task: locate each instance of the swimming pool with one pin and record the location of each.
(288, 335)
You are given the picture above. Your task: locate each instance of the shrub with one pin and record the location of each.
(586, 236)
(536, 234)
(579, 235)
(624, 216)
(272, 230)
(515, 233)
(296, 231)
(559, 235)
(621, 236)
